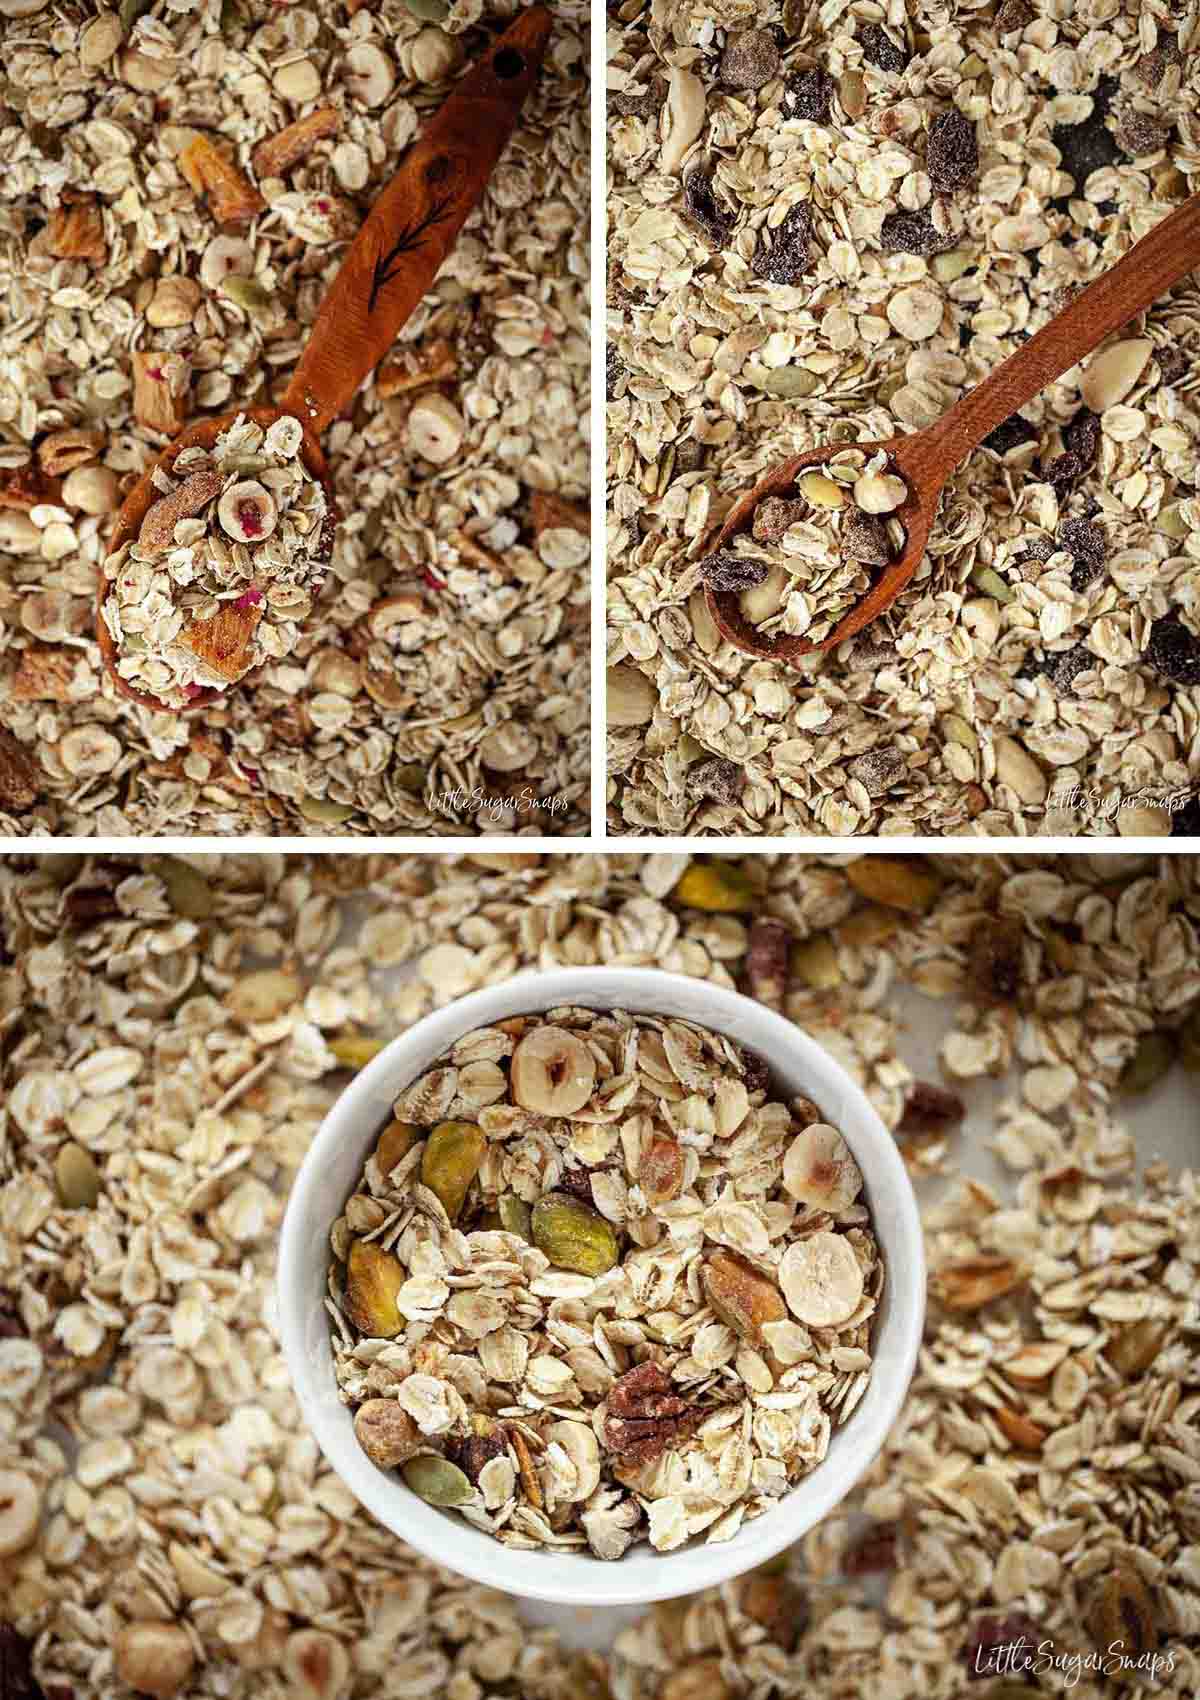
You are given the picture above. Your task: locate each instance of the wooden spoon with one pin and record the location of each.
(387, 269)
(925, 459)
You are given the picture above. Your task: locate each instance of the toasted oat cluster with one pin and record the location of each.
(225, 566)
(598, 1284)
(809, 556)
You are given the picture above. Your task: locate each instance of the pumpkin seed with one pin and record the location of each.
(77, 1177)
(437, 1481)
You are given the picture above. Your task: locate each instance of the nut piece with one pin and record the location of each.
(743, 1298)
(685, 117)
(1113, 372)
(91, 489)
(822, 492)
(223, 643)
(553, 1072)
(373, 1278)
(719, 888)
(630, 696)
(173, 303)
(821, 1280)
(1134, 1348)
(278, 153)
(62, 451)
(157, 532)
(160, 387)
(660, 1169)
(572, 1236)
(20, 1511)
(76, 1176)
(880, 493)
(231, 199)
(386, 1433)
(644, 1415)
(154, 1658)
(435, 429)
(1025, 1434)
(247, 512)
(515, 1216)
(437, 1481)
(819, 1171)
(316, 1666)
(451, 1161)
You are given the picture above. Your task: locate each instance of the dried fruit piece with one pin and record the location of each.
(931, 1109)
(773, 516)
(1024, 1433)
(1138, 134)
(864, 538)
(1149, 1064)
(1133, 1349)
(644, 1415)
(572, 1236)
(20, 1511)
(702, 207)
(373, 1278)
(1086, 147)
(719, 888)
(952, 152)
(386, 1432)
(247, 512)
(486, 1441)
(661, 1169)
(819, 1169)
(877, 771)
(726, 571)
(913, 233)
(160, 389)
(809, 95)
(1064, 666)
(743, 1298)
(553, 1072)
(395, 1143)
(717, 779)
(44, 675)
(995, 967)
(750, 59)
(451, 1160)
(157, 532)
(154, 1657)
(782, 255)
(1174, 651)
(77, 1177)
(73, 233)
(768, 962)
(880, 50)
(874, 1550)
(1122, 1613)
(971, 1282)
(896, 884)
(19, 775)
(278, 153)
(1012, 433)
(231, 198)
(437, 1481)
(224, 642)
(821, 1280)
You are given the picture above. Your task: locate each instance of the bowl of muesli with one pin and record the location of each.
(601, 1286)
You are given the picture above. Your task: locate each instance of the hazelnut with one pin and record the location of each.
(247, 512)
(386, 1432)
(93, 489)
(154, 1658)
(316, 1665)
(435, 428)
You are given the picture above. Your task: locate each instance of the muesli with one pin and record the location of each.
(598, 1284)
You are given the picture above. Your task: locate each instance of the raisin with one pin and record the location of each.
(1065, 665)
(1174, 651)
(1082, 436)
(913, 233)
(727, 571)
(783, 254)
(1087, 546)
(1138, 134)
(1062, 472)
(717, 779)
(994, 967)
(614, 370)
(952, 152)
(749, 60)
(881, 51)
(931, 1109)
(809, 94)
(1085, 147)
(1173, 364)
(702, 207)
(1011, 433)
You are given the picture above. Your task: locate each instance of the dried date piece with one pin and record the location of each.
(1138, 134)
(223, 643)
(727, 571)
(784, 254)
(767, 958)
(952, 152)
(474, 1451)
(878, 770)
(750, 59)
(930, 1108)
(865, 538)
(73, 233)
(773, 516)
(278, 153)
(1082, 436)
(1174, 651)
(644, 1415)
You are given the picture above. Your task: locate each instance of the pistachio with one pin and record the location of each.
(386, 1432)
(437, 1481)
(516, 1217)
(1149, 1064)
(897, 885)
(373, 1278)
(989, 581)
(395, 1143)
(720, 888)
(76, 1177)
(743, 1298)
(821, 491)
(252, 297)
(453, 1154)
(355, 1050)
(572, 1236)
(188, 892)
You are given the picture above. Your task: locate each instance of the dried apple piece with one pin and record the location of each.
(278, 153)
(73, 233)
(223, 643)
(231, 198)
(417, 368)
(160, 388)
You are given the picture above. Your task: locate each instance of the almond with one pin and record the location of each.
(191, 498)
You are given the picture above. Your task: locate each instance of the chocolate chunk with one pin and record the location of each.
(952, 152)
(809, 94)
(716, 779)
(1085, 147)
(1174, 650)
(913, 233)
(782, 255)
(865, 538)
(727, 571)
(1065, 665)
(880, 50)
(878, 770)
(772, 517)
(1139, 134)
(1082, 436)
(1087, 546)
(749, 60)
(1011, 433)
(702, 207)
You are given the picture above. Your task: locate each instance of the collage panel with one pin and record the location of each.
(902, 426)
(500, 1276)
(294, 470)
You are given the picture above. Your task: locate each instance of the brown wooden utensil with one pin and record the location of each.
(387, 269)
(925, 459)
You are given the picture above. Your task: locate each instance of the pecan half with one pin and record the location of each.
(278, 153)
(644, 1416)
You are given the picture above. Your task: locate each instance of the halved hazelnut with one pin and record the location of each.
(247, 512)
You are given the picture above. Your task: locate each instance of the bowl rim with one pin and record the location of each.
(573, 1578)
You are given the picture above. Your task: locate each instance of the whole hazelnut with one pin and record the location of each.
(386, 1433)
(154, 1658)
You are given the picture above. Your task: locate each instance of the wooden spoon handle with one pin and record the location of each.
(412, 226)
(1167, 253)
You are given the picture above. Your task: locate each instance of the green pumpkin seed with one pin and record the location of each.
(989, 581)
(77, 1177)
(437, 1481)
(789, 383)
(516, 1217)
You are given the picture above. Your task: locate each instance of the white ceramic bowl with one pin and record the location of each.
(332, 1168)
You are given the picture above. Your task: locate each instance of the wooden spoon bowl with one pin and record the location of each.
(925, 459)
(141, 499)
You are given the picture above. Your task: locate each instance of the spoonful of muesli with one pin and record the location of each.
(222, 546)
(846, 524)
